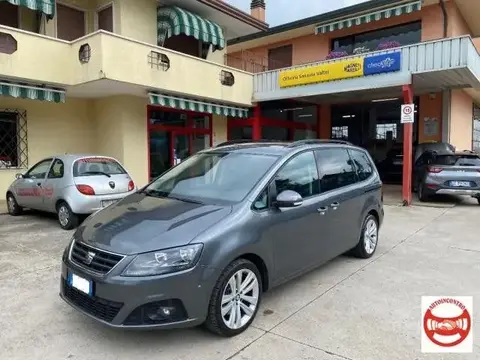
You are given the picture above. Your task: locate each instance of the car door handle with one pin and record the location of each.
(322, 210)
(334, 205)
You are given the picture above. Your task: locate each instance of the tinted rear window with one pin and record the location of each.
(457, 160)
(97, 166)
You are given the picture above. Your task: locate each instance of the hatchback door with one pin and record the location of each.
(101, 176)
(456, 171)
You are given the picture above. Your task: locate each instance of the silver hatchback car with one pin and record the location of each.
(70, 185)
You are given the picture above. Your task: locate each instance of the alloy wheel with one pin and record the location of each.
(63, 215)
(11, 204)
(240, 299)
(370, 236)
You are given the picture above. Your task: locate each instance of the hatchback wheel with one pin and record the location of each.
(13, 208)
(478, 199)
(67, 219)
(235, 299)
(368, 239)
(421, 193)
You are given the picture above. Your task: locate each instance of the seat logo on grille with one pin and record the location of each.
(89, 258)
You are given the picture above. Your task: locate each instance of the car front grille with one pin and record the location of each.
(100, 308)
(93, 259)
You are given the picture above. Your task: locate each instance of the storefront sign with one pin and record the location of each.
(340, 70)
(380, 64)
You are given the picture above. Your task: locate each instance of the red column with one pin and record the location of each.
(407, 150)
(256, 124)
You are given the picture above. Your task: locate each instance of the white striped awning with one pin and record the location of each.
(22, 91)
(402, 9)
(197, 106)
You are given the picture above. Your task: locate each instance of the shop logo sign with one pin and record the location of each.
(384, 63)
(447, 324)
(353, 67)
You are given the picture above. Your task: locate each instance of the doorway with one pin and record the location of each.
(174, 135)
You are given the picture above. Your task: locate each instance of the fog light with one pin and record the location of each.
(161, 313)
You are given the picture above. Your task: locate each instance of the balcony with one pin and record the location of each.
(429, 66)
(135, 67)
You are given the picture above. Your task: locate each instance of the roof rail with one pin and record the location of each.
(245, 141)
(318, 141)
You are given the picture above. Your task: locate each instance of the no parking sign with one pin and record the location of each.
(407, 116)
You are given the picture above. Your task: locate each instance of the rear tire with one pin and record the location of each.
(367, 245)
(66, 218)
(13, 208)
(221, 309)
(478, 199)
(421, 193)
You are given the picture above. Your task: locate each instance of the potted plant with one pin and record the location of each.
(336, 55)
(388, 45)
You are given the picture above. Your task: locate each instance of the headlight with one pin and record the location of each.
(164, 261)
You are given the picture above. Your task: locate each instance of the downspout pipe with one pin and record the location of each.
(445, 18)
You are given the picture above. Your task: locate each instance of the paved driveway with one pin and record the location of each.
(348, 309)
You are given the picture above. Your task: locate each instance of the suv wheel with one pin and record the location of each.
(478, 199)
(235, 299)
(13, 208)
(66, 218)
(421, 193)
(368, 239)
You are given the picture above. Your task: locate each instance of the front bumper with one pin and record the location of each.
(125, 302)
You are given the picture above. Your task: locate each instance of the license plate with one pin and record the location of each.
(106, 203)
(460, 183)
(80, 284)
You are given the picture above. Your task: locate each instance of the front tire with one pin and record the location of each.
(235, 299)
(66, 218)
(13, 208)
(368, 242)
(421, 193)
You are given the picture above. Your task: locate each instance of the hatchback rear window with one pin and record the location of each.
(458, 160)
(97, 166)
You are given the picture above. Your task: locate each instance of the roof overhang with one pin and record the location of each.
(235, 22)
(470, 11)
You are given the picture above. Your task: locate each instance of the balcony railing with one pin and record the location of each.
(103, 55)
(427, 60)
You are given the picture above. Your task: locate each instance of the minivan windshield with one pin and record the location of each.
(213, 177)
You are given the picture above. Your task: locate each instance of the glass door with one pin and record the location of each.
(180, 149)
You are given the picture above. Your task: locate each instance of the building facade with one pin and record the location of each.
(151, 82)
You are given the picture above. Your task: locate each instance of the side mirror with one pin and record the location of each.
(18, 176)
(288, 199)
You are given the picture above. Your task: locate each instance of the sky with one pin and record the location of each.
(282, 11)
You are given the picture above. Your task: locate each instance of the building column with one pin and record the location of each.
(407, 150)
(324, 121)
(256, 123)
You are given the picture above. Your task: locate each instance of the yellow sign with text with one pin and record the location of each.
(340, 70)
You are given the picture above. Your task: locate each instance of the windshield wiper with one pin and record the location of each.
(96, 173)
(185, 200)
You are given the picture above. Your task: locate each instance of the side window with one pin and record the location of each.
(299, 174)
(262, 201)
(362, 164)
(39, 171)
(56, 171)
(335, 168)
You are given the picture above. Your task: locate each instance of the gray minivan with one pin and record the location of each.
(201, 243)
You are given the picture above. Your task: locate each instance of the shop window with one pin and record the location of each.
(240, 133)
(476, 129)
(386, 132)
(8, 44)
(105, 19)
(13, 139)
(158, 61)
(171, 118)
(404, 34)
(340, 132)
(227, 78)
(70, 23)
(9, 14)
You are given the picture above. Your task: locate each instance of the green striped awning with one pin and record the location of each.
(197, 106)
(402, 9)
(173, 20)
(45, 6)
(21, 91)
